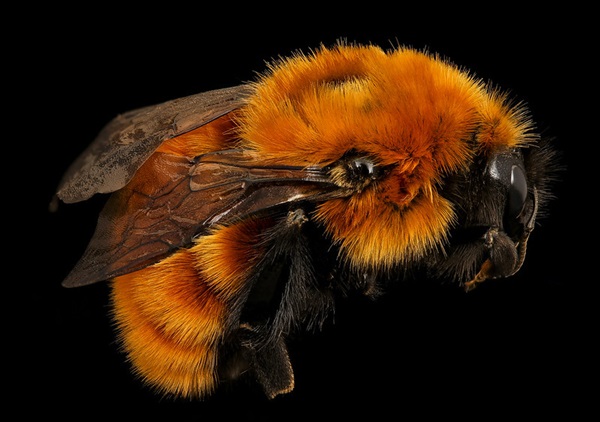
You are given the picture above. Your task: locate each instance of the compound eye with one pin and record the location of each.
(517, 192)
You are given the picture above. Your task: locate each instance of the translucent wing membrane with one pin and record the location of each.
(160, 211)
(129, 140)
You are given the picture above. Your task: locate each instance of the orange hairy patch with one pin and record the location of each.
(226, 256)
(502, 125)
(403, 105)
(214, 136)
(380, 237)
(170, 325)
(173, 315)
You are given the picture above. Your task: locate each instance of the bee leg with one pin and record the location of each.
(503, 258)
(274, 305)
(284, 294)
(266, 361)
(271, 364)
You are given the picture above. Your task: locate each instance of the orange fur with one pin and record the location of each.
(170, 325)
(503, 125)
(406, 108)
(225, 257)
(174, 315)
(215, 136)
(381, 237)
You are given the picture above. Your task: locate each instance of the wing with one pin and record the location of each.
(126, 142)
(161, 211)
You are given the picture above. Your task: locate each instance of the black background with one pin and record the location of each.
(517, 347)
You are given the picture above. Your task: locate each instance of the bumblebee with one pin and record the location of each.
(237, 216)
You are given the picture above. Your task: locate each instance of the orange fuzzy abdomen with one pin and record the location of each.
(170, 325)
(173, 316)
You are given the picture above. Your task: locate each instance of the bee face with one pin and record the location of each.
(236, 216)
(497, 201)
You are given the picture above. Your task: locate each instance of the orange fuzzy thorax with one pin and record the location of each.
(401, 106)
(405, 108)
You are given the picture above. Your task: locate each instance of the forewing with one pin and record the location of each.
(126, 142)
(160, 212)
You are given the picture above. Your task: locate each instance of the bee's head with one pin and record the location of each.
(496, 201)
